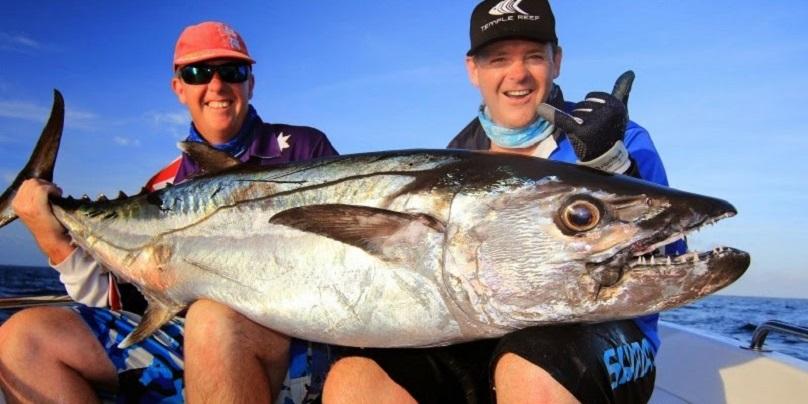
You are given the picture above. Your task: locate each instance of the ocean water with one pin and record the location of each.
(730, 316)
(738, 316)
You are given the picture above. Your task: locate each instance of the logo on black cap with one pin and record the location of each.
(507, 7)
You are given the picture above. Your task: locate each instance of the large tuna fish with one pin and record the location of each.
(402, 248)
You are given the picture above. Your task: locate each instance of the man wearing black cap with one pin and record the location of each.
(513, 60)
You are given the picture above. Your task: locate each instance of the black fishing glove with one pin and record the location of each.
(597, 126)
(601, 122)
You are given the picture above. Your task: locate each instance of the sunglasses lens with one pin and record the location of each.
(234, 73)
(203, 74)
(196, 74)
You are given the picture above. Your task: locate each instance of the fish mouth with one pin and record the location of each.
(689, 259)
(648, 254)
(648, 246)
(653, 284)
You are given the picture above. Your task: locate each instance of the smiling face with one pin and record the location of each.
(514, 76)
(218, 108)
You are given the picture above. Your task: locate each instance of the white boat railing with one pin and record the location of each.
(762, 331)
(19, 302)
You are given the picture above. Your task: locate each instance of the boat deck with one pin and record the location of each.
(697, 367)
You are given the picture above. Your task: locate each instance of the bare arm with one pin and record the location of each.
(85, 280)
(32, 206)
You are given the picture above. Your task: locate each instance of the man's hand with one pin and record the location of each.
(32, 207)
(597, 126)
(602, 120)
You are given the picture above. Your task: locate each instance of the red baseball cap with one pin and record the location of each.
(209, 40)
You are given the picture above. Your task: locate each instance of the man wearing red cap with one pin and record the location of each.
(56, 354)
(513, 61)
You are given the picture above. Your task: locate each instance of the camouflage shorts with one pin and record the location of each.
(152, 370)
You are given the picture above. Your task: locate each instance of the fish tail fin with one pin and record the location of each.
(42, 160)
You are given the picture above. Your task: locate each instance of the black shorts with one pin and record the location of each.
(609, 362)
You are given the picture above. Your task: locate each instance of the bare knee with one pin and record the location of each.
(351, 372)
(220, 343)
(518, 380)
(212, 321)
(357, 379)
(26, 335)
(49, 350)
(215, 334)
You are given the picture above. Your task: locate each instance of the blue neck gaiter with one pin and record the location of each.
(239, 143)
(519, 138)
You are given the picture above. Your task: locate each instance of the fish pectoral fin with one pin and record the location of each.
(156, 315)
(210, 160)
(364, 227)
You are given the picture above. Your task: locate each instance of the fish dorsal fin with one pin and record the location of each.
(156, 315)
(360, 226)
(209, 159)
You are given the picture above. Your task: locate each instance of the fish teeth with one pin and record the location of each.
(101, 198)
(121, 195)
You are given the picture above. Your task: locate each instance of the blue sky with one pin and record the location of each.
(720, 85)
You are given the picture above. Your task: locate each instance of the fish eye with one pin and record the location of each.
(580, 216)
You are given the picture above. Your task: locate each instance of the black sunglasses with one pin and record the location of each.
(203, 74)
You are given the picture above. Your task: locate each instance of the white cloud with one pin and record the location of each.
(168, 118)
(76, 118)
(125, 141)
(78, 115)
(18, 42)
(175, 123)
(23, 110)
(30, 111)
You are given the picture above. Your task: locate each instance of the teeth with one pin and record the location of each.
(517, 93)
(219, 104)
(668, 261)
(652, 260)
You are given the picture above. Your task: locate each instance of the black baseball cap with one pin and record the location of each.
(493, 20)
